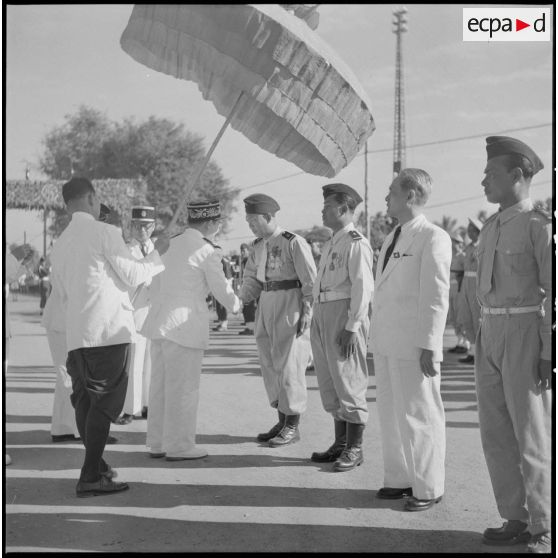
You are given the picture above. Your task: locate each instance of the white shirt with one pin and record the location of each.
(93, 269)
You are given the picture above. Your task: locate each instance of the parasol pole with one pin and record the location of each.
(366, 220)
(192, 183)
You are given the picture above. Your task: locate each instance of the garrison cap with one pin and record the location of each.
(476, 223)
(504, 145)
(260, 204)
(203, 211)
(104, 212)
(339, 188)
(144, 213)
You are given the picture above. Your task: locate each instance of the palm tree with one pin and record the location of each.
(449, 224)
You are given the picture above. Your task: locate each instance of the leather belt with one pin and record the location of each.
(330, 296)
(281, 285)
(470, 274)
(512, 310)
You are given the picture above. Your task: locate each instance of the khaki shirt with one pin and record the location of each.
(346, 267)
(288, 256)
(522, 268)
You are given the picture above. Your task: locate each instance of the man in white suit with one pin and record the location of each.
(178, 326)
(139, 376)
(93, 270)
(409, 312)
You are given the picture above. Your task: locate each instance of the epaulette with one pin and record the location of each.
(355, 235)
(212, 243)
(542, 211)
(175, 235)
(288, 235)
(256, 241)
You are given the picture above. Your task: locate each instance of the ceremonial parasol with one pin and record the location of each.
(272, 77)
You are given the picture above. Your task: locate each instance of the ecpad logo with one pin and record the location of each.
(506, 24)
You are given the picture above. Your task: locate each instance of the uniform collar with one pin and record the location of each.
(341, 232)
(275, 234)
(82, 215)
(523, 206)
(413, 223)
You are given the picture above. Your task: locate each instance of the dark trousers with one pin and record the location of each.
(221, 311)
(99, 381)
(249, 311)
(44, 290)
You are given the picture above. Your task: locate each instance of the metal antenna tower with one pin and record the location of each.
(399, 27)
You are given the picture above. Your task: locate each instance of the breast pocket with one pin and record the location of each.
(517, 260)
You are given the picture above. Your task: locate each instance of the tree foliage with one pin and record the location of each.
(159, 151)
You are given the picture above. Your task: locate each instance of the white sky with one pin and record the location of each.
(61, 56)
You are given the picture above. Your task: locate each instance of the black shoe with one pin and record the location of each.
(350, 458)
(329, 455)
(511, 532)
(387, 493)
(64, 438)
(469, 359)
(246, 331)
(336, 449)
(458, 349)
(288, 435)
(352, 455)
(124, 419)
(266, 436)
(414, 504)
(99, 488)
(111, 440)
(144, 413)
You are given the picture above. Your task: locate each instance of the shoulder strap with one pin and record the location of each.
(288, 235)
(355, 235)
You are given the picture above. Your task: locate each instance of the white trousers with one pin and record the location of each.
(173, 398)
(412, 426)
(63, 414)
(139, 376)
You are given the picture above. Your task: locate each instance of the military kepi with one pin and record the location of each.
(203, 211)
(143, 213)
(260, 204)
(504, 145)
(341, 189)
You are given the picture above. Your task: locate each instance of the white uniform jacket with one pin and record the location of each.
(411, 297)
(93, 269)
(179, 309)
(140, 295)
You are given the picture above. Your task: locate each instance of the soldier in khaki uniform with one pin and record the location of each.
(281, 271)
(456, 279)
(513, 365)
(339, 334)
(468, 308)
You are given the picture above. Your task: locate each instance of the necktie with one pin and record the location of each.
(389, 251)
(143, 249)
(260, 273)
(485, 280)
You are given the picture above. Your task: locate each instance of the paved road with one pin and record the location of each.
(244, 497)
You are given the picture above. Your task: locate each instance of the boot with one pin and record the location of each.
(352, 454)
(335, 450)
(289, 433)
(266, 436)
